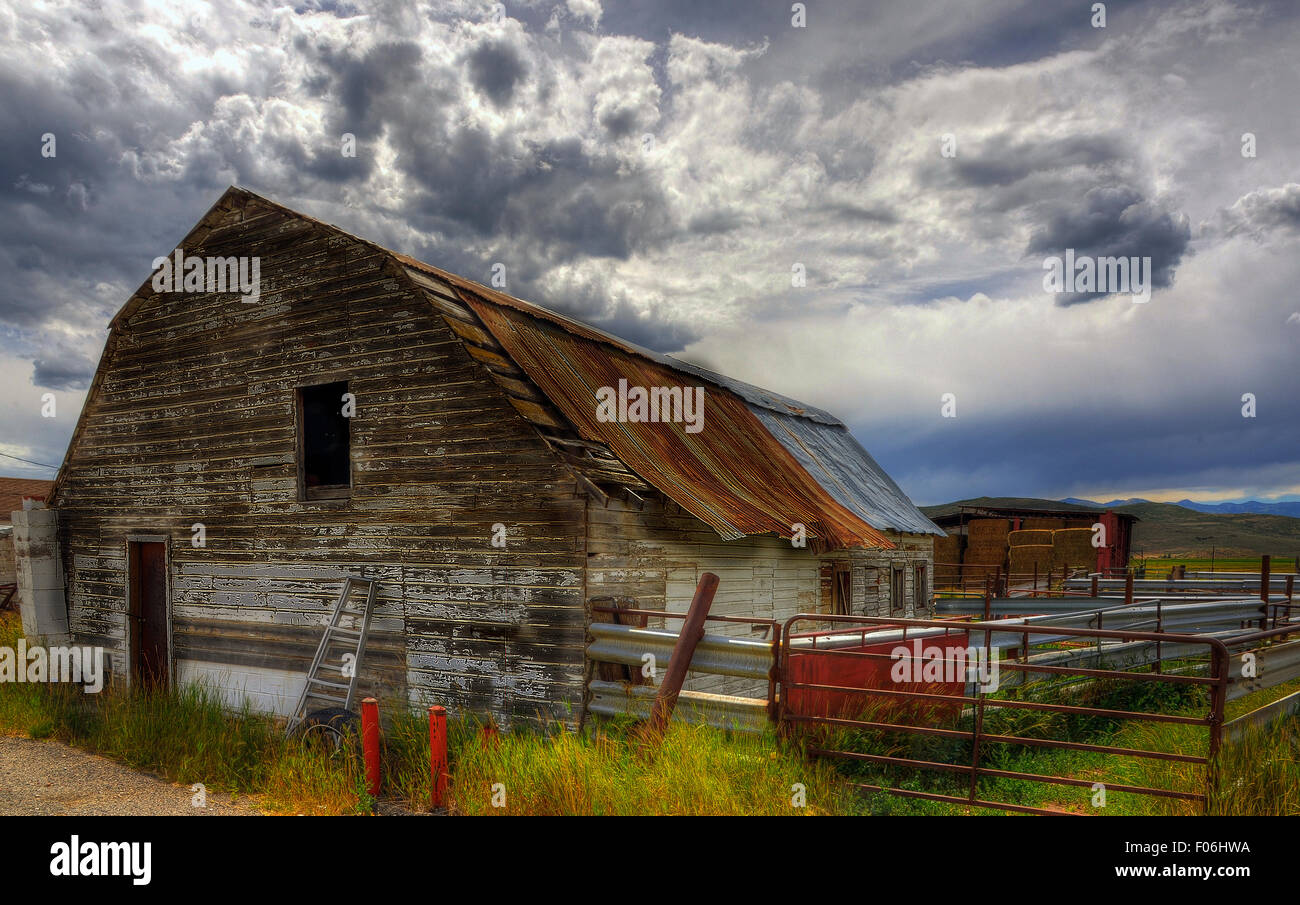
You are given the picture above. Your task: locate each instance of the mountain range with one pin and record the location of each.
(1291, 508)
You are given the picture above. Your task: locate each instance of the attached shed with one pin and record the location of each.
(215, 492)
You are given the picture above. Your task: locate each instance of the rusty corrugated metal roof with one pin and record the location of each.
(750, 393)
(820, 443)
(734, 475)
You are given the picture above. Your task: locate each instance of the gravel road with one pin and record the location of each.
(51, 778)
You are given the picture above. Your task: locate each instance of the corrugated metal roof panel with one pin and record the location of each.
(733, 475)
(847, 471)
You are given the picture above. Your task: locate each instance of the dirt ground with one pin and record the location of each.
(49, 778)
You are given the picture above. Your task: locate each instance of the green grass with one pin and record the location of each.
(188, 736)
(1258, 776)
(1159, 566)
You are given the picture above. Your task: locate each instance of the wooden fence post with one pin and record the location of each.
(683, 651)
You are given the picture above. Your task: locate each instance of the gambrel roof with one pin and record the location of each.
(761, 464)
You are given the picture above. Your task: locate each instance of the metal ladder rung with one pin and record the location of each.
(328, 684)
(317, 696)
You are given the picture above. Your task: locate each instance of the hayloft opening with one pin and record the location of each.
(325, 469)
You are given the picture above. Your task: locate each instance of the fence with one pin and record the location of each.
(835, 680)
(629, 645)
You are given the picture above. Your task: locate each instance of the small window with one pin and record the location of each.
(325, 464)
(897, 591)
(920, 592)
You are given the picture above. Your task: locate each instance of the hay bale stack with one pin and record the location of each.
(1042, 524)
(1073, 547)
(986, 545)
(1026, 557)
(1029, 538)
(988, 529)
(983, 555)
(947, 549)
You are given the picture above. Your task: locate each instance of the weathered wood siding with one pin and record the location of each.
(192, 421)
(655, 555)
(871, 580)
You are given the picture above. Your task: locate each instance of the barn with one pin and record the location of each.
(1019, 536)
(493, 465)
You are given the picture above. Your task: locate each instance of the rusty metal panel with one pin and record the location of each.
(733, 474)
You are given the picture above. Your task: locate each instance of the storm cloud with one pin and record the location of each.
(854, 212)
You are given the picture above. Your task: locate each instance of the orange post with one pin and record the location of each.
(438, 754)
(370, 742)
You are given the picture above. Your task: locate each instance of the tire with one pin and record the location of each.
(333, 725)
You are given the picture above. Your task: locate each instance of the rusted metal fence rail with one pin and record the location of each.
(957, 709)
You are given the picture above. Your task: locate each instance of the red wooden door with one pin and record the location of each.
(151, 640)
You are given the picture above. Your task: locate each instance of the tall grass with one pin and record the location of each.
(611, 770)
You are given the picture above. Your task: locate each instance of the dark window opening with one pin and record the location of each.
(843, 589)
(837, 588)
(920, 592)
(324, 453)
(897, 601)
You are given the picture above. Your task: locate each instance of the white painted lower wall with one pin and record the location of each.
(267, 690)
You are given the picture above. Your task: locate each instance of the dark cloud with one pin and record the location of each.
(495, 68)
(1137, 450)
(147, 142)
(1004, 159)
(1114, 221)
(63, 370)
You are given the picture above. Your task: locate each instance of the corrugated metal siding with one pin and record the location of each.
(847, 471)
(733, 475)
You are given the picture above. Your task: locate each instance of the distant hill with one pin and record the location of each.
(1291, 509)
(1173, 529)
(1168, 528)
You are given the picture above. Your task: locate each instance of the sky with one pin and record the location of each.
(852, 204)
